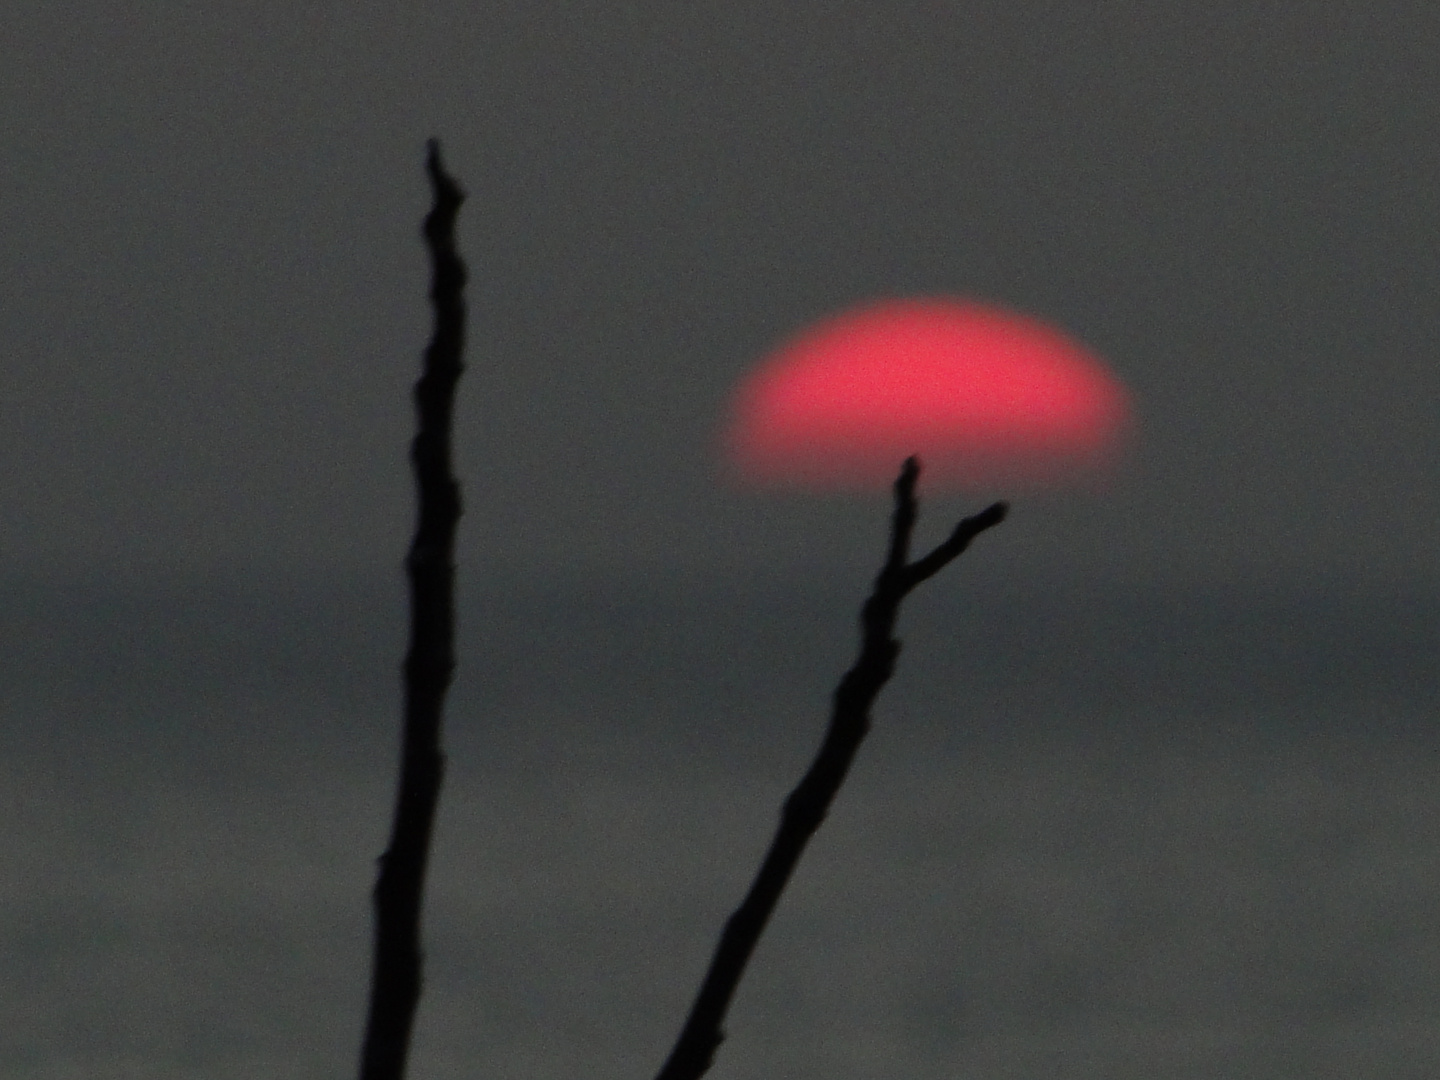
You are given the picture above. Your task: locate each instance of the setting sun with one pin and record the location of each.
(984, 396)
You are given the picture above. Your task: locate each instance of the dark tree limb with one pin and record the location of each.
(430, 661)
(806, 806)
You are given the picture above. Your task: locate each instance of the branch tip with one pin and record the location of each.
(447, 190)
(992, 515)
(909, 473)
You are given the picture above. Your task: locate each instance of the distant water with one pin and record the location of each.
(1148, 836)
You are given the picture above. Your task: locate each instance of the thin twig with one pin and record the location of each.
(396, 978)
(806, 806)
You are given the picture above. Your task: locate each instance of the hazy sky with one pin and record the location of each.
(1162, 797)
(213, 287)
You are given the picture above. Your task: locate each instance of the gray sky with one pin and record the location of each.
(1160, 797)
(214, 288)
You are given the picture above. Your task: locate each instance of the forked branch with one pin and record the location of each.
(806, 806)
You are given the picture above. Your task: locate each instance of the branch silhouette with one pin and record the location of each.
(430, 661)
(806, 806)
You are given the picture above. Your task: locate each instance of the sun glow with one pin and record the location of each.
(984, 396)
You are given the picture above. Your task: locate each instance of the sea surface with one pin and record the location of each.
(1106, 835)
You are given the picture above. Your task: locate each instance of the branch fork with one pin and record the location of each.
(807, 805)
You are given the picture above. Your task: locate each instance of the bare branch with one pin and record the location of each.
(957, 542)
(902, 524)
(807, 805)
(396, 977)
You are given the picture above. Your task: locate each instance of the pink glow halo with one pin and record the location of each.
(984, 396)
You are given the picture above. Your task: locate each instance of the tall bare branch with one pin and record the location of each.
(806, 806)
(430, 661)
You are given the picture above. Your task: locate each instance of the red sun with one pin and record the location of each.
(984, 396)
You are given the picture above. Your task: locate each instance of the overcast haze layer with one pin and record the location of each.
(1154, 793)
(214, 290)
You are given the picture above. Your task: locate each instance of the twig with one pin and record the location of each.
(806, 806)
(396, 978)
